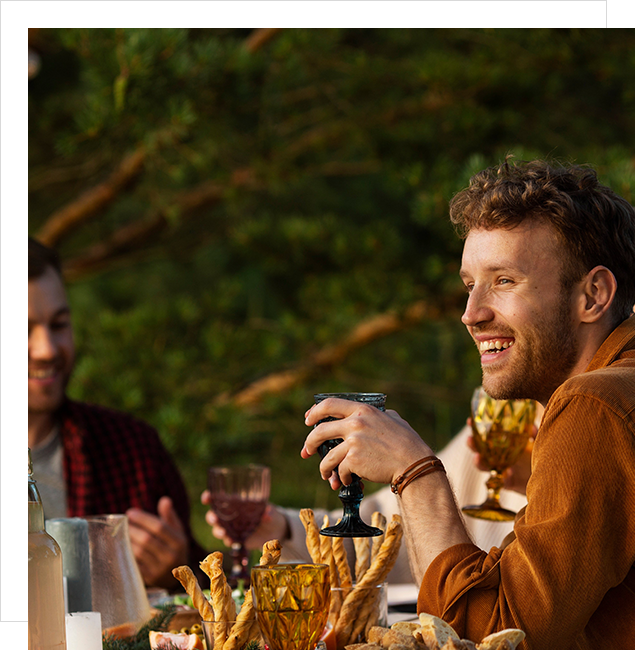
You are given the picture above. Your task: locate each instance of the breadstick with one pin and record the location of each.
(326, 550)
(246, 627)
(187, 578)
(387, 555)
(271, 552)
(379, 521)
(341, 561)
(362, 556)
(242, 627)
(312, 534)
(212, 565)
(376, 574)
(326, 554)
(369, 613)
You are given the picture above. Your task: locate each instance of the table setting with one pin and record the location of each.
(332, 602)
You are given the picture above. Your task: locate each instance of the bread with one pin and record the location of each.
(407, 627)
(434, 632)
(497, 640)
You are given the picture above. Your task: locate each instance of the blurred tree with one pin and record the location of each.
(251, 216)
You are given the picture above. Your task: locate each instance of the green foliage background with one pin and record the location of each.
(353, 141)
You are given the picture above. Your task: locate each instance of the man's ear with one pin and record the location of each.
(597, 292)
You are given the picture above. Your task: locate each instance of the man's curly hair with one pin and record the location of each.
(594, 225)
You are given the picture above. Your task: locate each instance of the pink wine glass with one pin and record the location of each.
(239, 496)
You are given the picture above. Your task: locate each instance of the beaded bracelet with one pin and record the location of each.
(422, 467)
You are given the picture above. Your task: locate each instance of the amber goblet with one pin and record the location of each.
(501, 431)
(292, 604)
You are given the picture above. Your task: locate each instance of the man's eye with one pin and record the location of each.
(469, 287)
(59, 325)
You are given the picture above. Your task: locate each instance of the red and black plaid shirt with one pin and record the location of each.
(113, 462)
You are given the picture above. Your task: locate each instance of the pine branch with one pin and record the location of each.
(260, 37)
(141, 640)
(131, 236)
(363, 334)
(93, 201)
(96, 199)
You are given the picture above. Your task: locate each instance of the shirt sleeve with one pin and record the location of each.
(574, 542)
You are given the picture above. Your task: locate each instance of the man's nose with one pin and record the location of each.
(42, 343)
(477, 309)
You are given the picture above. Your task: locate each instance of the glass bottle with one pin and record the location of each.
(47, 623)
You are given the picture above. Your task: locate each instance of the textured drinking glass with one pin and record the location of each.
(239, 498)
(292, 604)
(351, 524)
(372, 610)
(501, 430)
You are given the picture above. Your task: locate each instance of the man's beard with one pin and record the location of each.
(545, 354)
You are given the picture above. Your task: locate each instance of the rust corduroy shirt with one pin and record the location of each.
(565, 575)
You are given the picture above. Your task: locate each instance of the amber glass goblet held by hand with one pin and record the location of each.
(501, 430)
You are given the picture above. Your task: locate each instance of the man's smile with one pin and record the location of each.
(494, 346)
(42, 373)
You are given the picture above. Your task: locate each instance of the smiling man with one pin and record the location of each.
(517, 314)
(51, 351)
(549, 267)
(90, 460)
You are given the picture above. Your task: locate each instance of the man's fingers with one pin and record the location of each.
(168, 514)
(332, 407)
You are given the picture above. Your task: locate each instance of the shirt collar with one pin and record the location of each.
(622, 338)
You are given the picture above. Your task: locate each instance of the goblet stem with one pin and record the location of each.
(351, 524)
(494, 485)
(239, 571)
(491, 508)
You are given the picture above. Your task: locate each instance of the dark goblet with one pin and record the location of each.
(351, 524)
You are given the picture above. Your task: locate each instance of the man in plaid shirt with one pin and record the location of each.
(90, 460)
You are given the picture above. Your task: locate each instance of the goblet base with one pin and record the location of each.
(348, 527)
(489, 511)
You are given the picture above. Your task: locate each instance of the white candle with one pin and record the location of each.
(83, 631)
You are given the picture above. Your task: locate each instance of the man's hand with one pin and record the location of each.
(273, 525)
(377, 446)
(159, 543)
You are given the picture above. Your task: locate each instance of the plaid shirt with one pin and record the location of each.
(113, 462)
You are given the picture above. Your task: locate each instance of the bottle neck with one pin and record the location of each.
(36, 512)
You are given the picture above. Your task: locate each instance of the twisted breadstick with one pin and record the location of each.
(212, 565)
(379, 521)
(341, 561)
(271, 552)
(362, 556)
(246, 626)
(349, 619)
(187, 578)
(312, 535)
